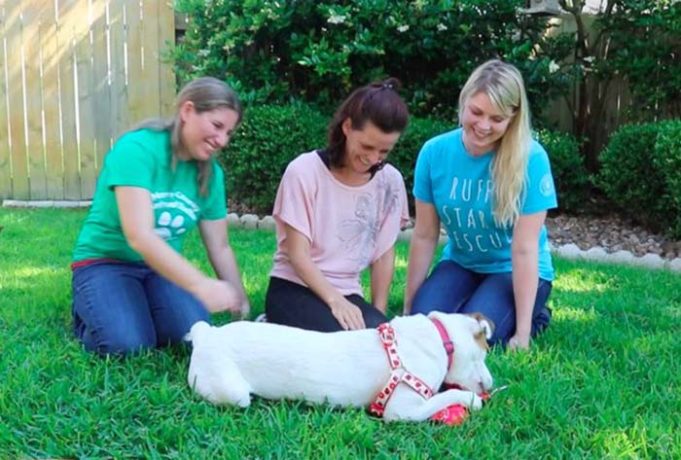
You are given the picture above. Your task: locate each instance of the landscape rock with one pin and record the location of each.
(649, 261)
(249, 221)
(405, 235)
(267, 223)
(675, 264)
(233, 220)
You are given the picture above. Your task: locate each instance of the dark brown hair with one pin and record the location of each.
(378, 103)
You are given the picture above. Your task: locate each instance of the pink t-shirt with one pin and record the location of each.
(348, 227)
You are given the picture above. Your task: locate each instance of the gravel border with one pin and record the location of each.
(252, 221)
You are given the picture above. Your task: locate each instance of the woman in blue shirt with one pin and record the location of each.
(490, 185)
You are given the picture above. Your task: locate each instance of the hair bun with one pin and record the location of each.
(391, 83)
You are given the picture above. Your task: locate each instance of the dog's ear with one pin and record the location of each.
(485, 325)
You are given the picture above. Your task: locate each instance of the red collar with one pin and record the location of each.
(446, 341)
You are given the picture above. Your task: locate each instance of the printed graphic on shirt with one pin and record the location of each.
(391, 197)
(174, 214)
(546, 185)
(358, 234)
(467, 215)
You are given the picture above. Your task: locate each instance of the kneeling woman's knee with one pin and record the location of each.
(123, 345)
(428, 299)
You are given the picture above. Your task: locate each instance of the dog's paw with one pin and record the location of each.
(476, 402)
(243, 400)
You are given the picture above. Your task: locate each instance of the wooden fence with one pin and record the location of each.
(75, 74)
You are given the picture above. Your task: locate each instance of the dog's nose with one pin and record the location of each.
(484, 386)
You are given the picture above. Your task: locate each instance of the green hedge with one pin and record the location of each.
(271, 136)
(319, 50)
(569, 172)
(640, 173)
(267, 140)
(667, 159)
(404, 155)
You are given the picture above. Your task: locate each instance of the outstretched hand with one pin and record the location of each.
(245, 309)
(519, 342)
(217, 296)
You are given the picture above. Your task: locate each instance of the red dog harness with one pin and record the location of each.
(399, 374)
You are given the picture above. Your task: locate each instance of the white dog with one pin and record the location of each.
(348, 368)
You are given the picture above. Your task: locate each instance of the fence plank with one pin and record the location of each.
(5, 153)
(102, 91)
(32, 20)
(137, 93)
(87, 104)
(20, 183)
(165, 39)
(70, 14)
(54, 152)
(119, 93)
(151, 62)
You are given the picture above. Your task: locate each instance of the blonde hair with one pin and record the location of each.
(206, 93)
(503, 84)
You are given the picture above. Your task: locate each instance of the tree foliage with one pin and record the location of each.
(318, 50)
(634, 41)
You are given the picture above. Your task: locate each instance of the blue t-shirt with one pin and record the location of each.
(461, 188)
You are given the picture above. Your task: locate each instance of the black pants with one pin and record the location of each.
(295, 305)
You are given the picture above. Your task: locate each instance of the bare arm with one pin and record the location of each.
(215, 238)
(298, 248)
(137, 221)
(382, 270)
(524, 257)
(423, 243)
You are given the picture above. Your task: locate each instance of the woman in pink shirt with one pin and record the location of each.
(338, 211)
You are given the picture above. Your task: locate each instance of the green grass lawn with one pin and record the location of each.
(603, 382)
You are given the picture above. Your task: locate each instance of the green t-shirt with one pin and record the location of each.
(143, 159)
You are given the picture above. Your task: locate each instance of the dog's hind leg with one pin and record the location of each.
(413, 407)
(218, 380)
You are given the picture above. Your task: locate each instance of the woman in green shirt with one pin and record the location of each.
(132, 288)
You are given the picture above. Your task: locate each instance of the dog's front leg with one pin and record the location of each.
(414, 408)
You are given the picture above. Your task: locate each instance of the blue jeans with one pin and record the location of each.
(122, 308)
(450, 288)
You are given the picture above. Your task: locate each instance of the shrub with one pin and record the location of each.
(271, 136)
(268, 139)
(630, 42)
(569, 172)
(667, 158)
(633, 173)
(318, 50)
(404, 155)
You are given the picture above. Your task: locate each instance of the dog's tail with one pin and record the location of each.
(196, 331)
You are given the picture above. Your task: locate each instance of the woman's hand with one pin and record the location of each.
(217, 295)
(245, 309)
(348, 314)
(519, 342)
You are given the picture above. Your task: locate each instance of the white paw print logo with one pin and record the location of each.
(546, 185)
(168, 226)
